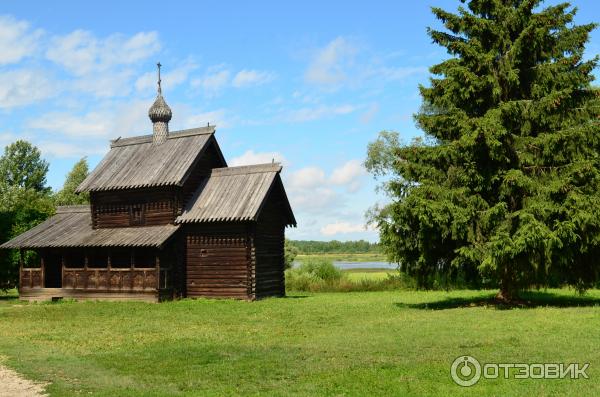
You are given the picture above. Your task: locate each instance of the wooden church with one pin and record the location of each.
(167, 218)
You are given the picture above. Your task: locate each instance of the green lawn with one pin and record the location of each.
(368, 274)
(358, 344)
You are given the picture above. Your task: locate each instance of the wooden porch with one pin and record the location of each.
(108, 283)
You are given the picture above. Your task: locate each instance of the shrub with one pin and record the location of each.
(320, 275)
(321, 269)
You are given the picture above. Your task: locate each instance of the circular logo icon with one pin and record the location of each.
(465, 371)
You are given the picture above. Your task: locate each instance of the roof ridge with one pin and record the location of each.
(247, 169)
(69, 209)
(137, 140)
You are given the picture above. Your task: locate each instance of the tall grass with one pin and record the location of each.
(320, 275)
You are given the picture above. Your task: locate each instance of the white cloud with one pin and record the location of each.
(111, 121)
(399, 73)
(329, 64)
(7, 138)
(24, 87)
(318, 200)
(342, 228)
(213, 81)
(69, 150)
(105, 84)
(218, 77)
(81, 53)
(245, 78)
(171, 79)
(93, 124)
(306, 178)
(251, 157)
(319, 112)
(215, 117)
(350, 175)
(309, 192)
(17, 40)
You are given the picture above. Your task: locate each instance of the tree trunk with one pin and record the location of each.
(508, 292)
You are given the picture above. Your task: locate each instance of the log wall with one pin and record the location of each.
(268, 244)
(218, 260)
(141, 207)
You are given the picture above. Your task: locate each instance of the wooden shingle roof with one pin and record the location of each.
(137, 163)
(72, 227)
(234, 194)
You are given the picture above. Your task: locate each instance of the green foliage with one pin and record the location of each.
(25, 201)
(334, 247)
(20, 210)
(310, 272)
(22, 166)
(320, 269)
(67, 195)
(505, 186)
(320, 275)
(290, 253)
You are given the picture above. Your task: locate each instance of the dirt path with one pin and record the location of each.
(14, 385)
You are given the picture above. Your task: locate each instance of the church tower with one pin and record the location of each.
(160, 114)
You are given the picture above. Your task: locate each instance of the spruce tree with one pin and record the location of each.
(505, 185)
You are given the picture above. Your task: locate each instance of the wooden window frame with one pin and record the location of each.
(136, 219)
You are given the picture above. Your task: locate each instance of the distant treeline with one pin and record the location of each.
(335, 247)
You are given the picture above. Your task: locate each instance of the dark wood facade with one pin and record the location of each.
(155, 205)
(219, 233)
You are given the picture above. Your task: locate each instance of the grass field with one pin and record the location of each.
(346, 257)
(357, 344)
(367, 274)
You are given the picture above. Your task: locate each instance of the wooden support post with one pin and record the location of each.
(62, 272)
(132, 271)
(86, 260)
(108, 276)
(42, 273)
(157, 271)
(20, 268)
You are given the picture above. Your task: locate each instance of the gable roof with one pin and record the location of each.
(72, 227)
(136, 162)
(234, 194)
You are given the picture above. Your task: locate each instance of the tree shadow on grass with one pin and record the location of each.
(527, 300)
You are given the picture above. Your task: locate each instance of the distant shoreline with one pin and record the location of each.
(349, 257)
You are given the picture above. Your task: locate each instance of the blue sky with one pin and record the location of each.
(308, 83)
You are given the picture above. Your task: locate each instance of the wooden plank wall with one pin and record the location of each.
(218, 260)
(269, 238)
(113, 209)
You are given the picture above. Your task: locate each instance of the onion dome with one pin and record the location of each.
(160, 111)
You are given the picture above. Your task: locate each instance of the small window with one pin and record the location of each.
(136, 214)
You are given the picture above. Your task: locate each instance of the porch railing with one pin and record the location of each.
(31, 278)
(114, 279)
